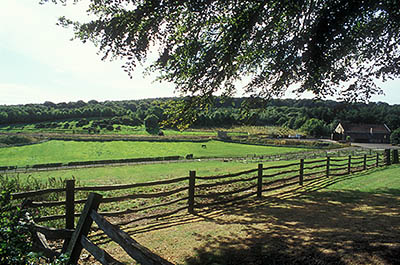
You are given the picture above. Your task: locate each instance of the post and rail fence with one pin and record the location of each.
(299, 169)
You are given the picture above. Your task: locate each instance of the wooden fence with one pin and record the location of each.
(192, 192)
(79, 239)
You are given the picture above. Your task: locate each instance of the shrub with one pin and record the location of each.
(15, 237)
(151, 123)
(17, 139)
(395, 137)
(82, 123)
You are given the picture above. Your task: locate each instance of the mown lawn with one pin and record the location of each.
(343, 220)
(67, 151)
(378, 181)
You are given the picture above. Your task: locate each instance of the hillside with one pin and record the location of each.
(95, 117)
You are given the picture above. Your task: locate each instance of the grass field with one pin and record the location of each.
(143, 172)
(345, 220)
(139, 173)
(67, 151)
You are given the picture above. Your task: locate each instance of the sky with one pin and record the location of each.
(39, 62)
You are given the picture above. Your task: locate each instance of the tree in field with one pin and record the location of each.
(315, 127)
(395, 137)
(151, 124)
(328, 47)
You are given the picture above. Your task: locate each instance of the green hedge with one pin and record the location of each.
(128, 160)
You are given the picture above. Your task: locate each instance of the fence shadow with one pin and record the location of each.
(299, 225)
(325, 227)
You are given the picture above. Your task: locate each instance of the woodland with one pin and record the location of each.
(225, 112)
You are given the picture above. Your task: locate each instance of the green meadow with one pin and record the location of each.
(138, 173)
(56, 151)
(381, 181)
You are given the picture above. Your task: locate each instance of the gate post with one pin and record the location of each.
(69, 204)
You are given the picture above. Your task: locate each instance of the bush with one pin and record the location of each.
(395, 137)
(15, 237)
(15, 234)
(82, 123)
(17, 139)
(131, 121)
(151, 123)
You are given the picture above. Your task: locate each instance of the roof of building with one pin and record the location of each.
(365, 128)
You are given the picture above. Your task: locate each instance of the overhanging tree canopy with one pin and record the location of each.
(329, 47)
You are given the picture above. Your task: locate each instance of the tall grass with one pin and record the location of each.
(16, 184)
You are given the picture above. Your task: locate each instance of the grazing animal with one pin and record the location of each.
(203, 146)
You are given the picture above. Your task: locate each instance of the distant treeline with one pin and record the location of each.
(227, 112)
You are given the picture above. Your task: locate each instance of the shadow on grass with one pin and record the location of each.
(303, 227)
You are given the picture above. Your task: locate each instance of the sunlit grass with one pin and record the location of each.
(66, 151)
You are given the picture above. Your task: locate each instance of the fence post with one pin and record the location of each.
(301, 175)
(328, 159)
(70, 204)
(192, 183)
(387, 157)
(365, 162)
(259, 180)
(82, 229)
(69, 208)
(349, 165)
(377, 160)
(395, 156)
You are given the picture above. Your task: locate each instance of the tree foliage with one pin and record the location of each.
(315, 127)
(151, 124)
(15, 237)
(395, 137)
(329, 47)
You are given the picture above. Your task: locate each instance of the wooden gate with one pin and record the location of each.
(79, 239)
